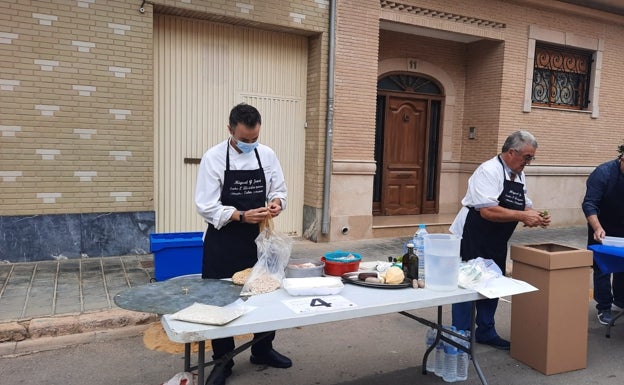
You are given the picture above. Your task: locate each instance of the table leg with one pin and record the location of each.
(612, 323)
(187, 357)
(475, 363)
(201, 361)
(440, 329)
(219, 364)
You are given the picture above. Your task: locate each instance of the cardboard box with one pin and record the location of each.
(177, 254)
(549, 326)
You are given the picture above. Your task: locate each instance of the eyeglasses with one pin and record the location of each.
(527, 158)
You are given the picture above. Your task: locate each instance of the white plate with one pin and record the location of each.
(313, 285)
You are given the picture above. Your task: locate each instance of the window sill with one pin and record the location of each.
(561, 109)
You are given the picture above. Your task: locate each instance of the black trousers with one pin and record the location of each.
(222, 346)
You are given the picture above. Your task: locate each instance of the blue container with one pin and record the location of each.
(342, 256)
(176, 254)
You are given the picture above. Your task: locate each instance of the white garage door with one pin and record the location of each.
(202, 70)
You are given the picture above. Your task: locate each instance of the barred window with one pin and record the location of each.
(561, 77)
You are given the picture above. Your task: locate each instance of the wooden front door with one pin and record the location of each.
(404, 154)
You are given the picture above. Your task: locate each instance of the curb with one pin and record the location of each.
(30, 346)
(50, 333)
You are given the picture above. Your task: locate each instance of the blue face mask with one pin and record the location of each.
(246, 147)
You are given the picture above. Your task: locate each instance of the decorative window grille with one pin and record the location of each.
(561, 77)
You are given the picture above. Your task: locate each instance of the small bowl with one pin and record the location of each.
(294, 270)
(339, 268)
(342, 256)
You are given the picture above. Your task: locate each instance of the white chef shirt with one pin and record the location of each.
(211, 173)
(484, 187)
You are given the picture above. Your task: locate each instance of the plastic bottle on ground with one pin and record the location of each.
(463, 359)
(439, 359)
(450, 361)
(419, 248)
(429, 340)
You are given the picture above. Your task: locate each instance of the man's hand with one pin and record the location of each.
(599, 235)
(545, 218)
(599, 232)
(275, 207)
(256, 215)
(534, 218)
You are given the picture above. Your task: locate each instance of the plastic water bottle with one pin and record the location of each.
(429, 340)
(462, 359)
(439, 359)
(450, 361)
(419, 246)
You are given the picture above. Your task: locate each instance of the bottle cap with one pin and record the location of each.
(410, 244)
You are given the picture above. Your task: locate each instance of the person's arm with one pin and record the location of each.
(529, 217)
(208, 192)
(599, 232)
(276, 187)
(596, 186)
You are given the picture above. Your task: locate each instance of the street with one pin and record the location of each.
(368, 351)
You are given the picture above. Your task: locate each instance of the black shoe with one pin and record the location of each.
(497, 343)
(272, 358)
(218, 379)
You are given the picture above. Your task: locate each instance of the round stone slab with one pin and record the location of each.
(175, 294)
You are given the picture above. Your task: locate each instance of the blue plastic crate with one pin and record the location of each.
(176, 254)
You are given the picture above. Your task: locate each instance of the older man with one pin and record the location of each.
(494, 204)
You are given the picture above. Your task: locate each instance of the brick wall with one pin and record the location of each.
(76, 93)
(76, 97)
(76, 107)
(356, 79)
(502, 92)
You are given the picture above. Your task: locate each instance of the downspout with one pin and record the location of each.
(330, 116)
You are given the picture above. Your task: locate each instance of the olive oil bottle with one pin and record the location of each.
(410, 262)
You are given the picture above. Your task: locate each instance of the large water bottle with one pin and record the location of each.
(462, 359)
(450, 361)
(439, 359)
(419, 248)
(429, 340)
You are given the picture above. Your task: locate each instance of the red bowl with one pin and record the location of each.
(339, 268)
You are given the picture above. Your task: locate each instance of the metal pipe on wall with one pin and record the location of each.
(330, 117)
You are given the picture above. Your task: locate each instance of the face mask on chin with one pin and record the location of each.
(245, 147)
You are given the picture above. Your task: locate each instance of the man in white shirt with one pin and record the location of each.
(494, 204)
(239, 183)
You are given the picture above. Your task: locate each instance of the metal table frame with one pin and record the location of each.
(273, 314)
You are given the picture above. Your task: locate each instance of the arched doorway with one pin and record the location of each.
(407, 145)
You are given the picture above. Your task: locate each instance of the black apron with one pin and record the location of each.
(487, 239)
(233, 248)
(611, 215)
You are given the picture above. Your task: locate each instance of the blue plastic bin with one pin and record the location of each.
(176, 254)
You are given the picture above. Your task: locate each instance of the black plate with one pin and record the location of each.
(345, 278)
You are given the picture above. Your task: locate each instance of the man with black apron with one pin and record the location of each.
(494, 204)
(235, 181)
(603, 207)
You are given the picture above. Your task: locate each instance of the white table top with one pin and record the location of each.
(273, 314)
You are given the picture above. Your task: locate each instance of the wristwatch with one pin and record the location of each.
(241, 216)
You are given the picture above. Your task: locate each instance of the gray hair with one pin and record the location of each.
(518, 140)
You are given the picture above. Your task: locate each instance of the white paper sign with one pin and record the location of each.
(316, 304)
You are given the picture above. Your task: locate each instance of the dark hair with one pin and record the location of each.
(518, 140)
(246, 114)
(620, 151)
